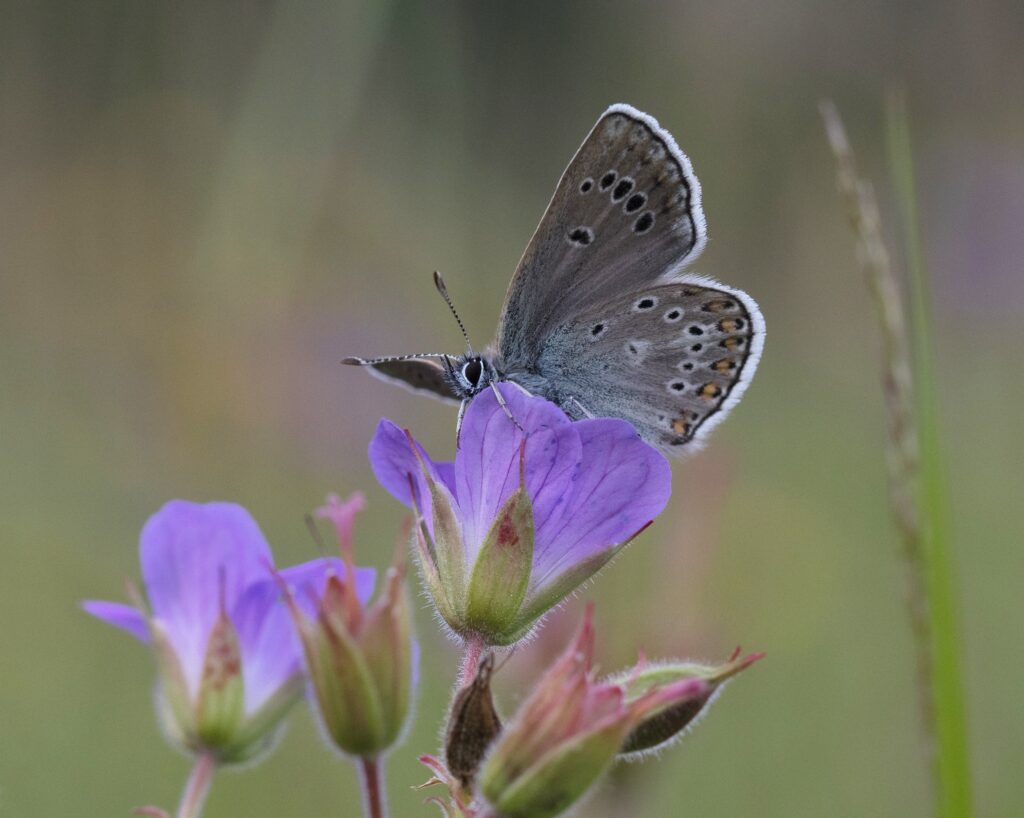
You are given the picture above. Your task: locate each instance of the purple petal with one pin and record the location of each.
(487, 463)
(191, 554)
(120, 616)
(394, 461)
(622, 484)
(270, 650)
(271, 653)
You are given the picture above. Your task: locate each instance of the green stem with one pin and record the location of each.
(198, 786)
(951, 766)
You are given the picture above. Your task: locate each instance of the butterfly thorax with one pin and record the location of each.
(470, 374)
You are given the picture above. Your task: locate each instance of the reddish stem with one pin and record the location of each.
(471, 659)
(198, 786)
(372, 781)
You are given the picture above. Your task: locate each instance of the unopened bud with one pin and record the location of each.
(472, 726)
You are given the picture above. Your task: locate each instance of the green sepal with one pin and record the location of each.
(387, 649)
(345, 688)
(220, 705)
(174, 704)
(557, 780)
(449, 554)
(260, 729)
(425, 550)
(555, 591)
(501, 573)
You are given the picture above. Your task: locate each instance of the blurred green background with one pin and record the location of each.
(205, 206)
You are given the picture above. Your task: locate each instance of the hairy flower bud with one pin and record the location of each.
(566, 735)
(665, 724)
(472, 725)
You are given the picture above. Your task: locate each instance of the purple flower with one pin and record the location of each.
(523, 515)
(229, 663)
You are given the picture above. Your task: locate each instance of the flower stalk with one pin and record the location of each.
(473, 650)
(371, 780)
(917, 490)
(197, 788)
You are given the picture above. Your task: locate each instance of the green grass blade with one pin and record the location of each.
(951, 751)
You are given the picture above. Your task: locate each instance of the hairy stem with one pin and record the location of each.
(471, 660)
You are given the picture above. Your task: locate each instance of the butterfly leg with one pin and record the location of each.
(504, 406)
(458, 423)
(582, 408)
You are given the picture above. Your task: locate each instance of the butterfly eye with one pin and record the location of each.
(473, 371)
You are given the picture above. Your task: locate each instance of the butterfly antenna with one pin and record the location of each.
(441, 288)
(390, 359)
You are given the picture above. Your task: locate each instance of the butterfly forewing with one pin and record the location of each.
(418, 374)
(671, 359)
(626, 213)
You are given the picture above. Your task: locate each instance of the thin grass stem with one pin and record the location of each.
(916, 483)
(951, 752)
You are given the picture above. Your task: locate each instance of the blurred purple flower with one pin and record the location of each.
(523, 516)
(230, 664)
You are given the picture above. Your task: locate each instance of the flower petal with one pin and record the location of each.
(393, 461)
(487, 463)
(622, 484)
(192, 553)
(125, 617)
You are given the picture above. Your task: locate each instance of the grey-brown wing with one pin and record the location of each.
(671, 359)
(419, 374)
(626, 213)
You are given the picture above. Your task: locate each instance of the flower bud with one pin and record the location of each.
(472, 725)
(666, 724)
(567, 734)
(359, 659)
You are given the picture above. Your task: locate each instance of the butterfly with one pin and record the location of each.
(601, 316)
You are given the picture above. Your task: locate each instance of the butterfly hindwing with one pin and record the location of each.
(672, 359)
(626, 212)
